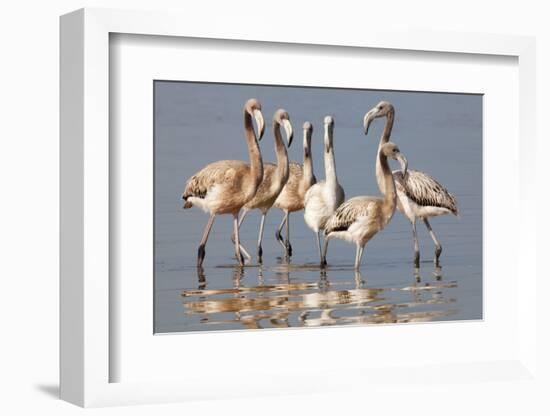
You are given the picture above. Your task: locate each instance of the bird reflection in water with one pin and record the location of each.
(277, 299)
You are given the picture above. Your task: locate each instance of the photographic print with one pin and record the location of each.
(298, 206)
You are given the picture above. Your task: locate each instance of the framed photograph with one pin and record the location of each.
(282, 283)
(268, 206)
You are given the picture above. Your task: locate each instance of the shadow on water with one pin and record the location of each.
(280, 297)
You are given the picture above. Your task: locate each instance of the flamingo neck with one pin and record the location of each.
(308, 164)
(254, 154)
(280, 151)
(330, 164)
(386, 133)
(388, 183)
(384, 138)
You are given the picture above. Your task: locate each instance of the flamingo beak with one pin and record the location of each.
(404, 164)
(288, 131)
(260, 123)
(328, 137)
(371, 115)
(307, 142)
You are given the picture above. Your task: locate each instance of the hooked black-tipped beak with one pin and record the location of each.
(288, 131)
(371, 115)
(403, 162)
(258, 116)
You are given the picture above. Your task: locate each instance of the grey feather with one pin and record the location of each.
(425, 191)
(350, 211)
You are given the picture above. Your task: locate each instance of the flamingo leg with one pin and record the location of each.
(238, 253)
(416, 248)
(438, 248)
(358, 256)
(278, 232)
(204, 239)
(202, 278)
(325, 249)
(241, 248)
(319, 245)
(358, 279)
(242, 217)
(260, 237)
(287, 243)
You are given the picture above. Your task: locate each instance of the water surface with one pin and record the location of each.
(440, 134)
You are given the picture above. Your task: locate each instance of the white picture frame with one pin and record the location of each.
(86, 304)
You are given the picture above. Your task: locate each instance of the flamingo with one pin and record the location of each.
(300, 179)
(224, 187)
(322, 199)
(360, 218)
(418, 194)
(274, 179)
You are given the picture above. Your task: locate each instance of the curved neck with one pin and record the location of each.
(384, 138)
(386, 133)
(330, 163)
(254, 154)
(387, 181)
(280, 151)
(308, 163)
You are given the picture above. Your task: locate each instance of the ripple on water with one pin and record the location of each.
(278, 300)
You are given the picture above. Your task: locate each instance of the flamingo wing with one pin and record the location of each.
(217, 173)
(349, 212)
(425, 191)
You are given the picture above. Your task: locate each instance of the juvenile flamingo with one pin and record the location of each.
(360, 218)
(300, 179)
(418, 194)
(224, 187)
(322, 199)
(274, 179)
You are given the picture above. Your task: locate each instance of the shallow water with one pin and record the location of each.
(196, 124)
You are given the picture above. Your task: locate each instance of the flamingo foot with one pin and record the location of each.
(417, 259)
(438, 250)
(260, 253)
(200, 255)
